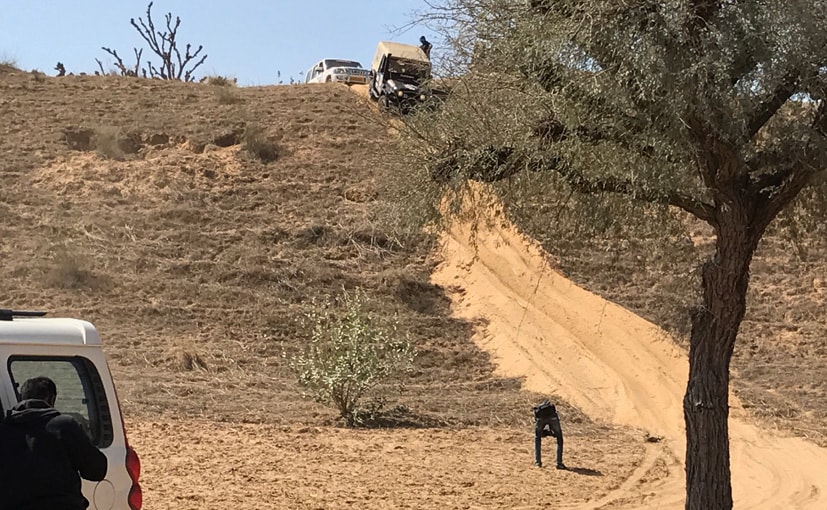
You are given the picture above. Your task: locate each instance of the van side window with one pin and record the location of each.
(80, 391)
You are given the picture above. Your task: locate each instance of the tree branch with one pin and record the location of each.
(765, 111)
(780, 197)
(165, 45)
(592, 185)
(147, 32)
(702, 13)
(820, 118)
(492, 164)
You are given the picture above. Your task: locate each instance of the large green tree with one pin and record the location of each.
(716, 108)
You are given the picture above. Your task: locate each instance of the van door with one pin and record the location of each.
(85, 392)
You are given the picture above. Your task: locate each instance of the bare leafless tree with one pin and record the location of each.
(164, 44)
(124, 70)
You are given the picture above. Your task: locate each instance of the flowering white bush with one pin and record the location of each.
(349, 353)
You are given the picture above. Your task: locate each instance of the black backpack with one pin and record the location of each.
(545, 409)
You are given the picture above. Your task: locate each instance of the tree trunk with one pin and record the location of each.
(725, 278)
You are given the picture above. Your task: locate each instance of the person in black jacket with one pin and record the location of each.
(547, 423)
(44, 454)
(426, 46)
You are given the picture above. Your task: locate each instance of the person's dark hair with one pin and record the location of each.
(41, 388)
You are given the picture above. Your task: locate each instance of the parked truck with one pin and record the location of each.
(400, 77)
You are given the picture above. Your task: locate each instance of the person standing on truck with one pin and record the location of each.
(426, 46)
(547, 423)
(44, 454)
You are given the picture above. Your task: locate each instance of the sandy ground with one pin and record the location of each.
(613, 365)
(190, 464)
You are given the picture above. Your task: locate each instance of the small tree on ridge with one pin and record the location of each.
(174, 65)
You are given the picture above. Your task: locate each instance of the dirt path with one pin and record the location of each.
(614, 366)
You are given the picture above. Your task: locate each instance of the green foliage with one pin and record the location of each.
(350, 352)
(597, 121)
(618, 97)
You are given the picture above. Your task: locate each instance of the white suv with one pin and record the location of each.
(337, 70)
(68, 351)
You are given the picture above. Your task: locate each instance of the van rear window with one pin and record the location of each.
(80, 391)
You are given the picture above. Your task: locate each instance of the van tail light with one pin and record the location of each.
(135, 499)
(133, 467)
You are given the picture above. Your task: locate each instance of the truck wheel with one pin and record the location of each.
(384, 103)
(328, 79)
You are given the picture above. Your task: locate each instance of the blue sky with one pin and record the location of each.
(247, 39)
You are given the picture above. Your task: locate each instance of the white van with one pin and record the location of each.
(337, 70)
(68, 351)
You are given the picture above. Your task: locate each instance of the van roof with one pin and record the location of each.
(49, 331)
(400, 50)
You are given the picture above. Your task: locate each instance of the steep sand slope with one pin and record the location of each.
(613, 365)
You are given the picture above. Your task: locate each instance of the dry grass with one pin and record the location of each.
(8, 65)
(106, 142)
(71, 271)
(256, 142)
(227, 95)
(220, 81)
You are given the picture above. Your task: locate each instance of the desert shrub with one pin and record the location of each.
(257, 144)
(221, 81)
(350, 352)
(68, 270)
(106, 142)
(8, 64)
(226, 95)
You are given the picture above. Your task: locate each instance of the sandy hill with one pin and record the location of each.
(140, 199)
(194, 225)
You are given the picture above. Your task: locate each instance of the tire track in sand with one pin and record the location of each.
(611, 364)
